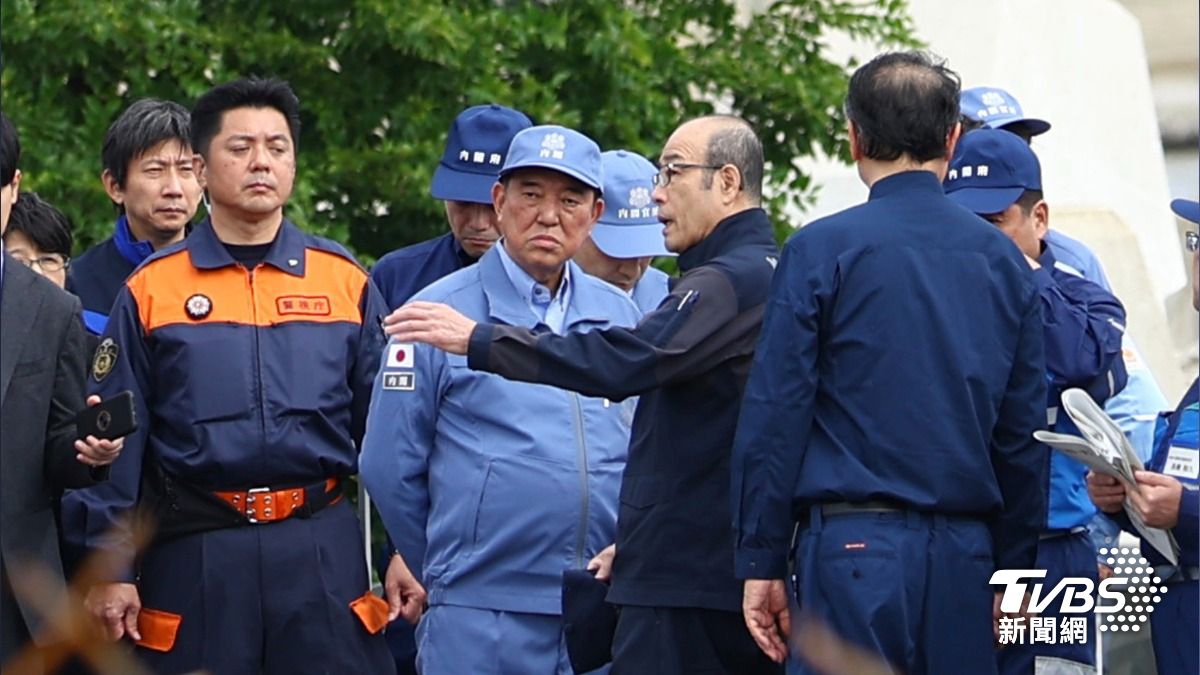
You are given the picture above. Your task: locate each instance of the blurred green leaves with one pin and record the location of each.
(380, 80)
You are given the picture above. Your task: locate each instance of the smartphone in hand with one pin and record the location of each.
(110, 419)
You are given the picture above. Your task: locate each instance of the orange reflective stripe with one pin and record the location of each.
(158, 629)
(372, 611)
(171, 290)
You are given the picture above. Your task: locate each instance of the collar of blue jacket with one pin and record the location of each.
(506, 304)
(130, 249)
(287, 251)
(742, 228)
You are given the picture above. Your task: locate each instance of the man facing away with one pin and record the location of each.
(885, 441)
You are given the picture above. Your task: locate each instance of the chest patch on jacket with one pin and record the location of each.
(310, 305)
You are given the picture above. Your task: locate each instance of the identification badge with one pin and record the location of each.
(398, 381)
(1183, 463)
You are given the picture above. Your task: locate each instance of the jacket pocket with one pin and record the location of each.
(158, 629)
(528, 505)
(372, 611)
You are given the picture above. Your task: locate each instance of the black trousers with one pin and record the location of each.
(686, 641)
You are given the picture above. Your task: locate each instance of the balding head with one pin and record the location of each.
(730, 140)
(714, 169)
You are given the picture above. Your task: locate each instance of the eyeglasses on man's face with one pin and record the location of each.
(46, 263)
(1191, 241)
(671, 169)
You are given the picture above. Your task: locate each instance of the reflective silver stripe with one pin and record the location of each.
(1051, 415)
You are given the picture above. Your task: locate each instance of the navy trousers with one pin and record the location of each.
(1173, 629)
(271, 598)
(911, 588)
(1070, 555)
(686, 641)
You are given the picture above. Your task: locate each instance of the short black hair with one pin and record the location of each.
(143, 125)
(246, 93)
(1026, 201)
(42, 224)
(903, 103)
(10, 150)
(736, 144)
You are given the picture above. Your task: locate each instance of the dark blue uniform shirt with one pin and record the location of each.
(401, 273)
(98, 274)
(688, 360)
(901, 359)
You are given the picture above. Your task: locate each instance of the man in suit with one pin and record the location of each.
(42, 364)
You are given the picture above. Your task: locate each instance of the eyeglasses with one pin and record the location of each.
(1191, 241)
(46, 263)
(666, 171)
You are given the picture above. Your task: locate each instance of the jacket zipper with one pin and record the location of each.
(258, 386)
(581, 538)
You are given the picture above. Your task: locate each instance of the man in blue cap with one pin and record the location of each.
(687, 361)
(490, 488)
(1136, 407)
(884, 450)
(996, 175)
(1168, 496)
(995, 108)
(475, 151)
(628, 236)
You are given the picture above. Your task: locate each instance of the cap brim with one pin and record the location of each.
(1031, 126)
(1186, 209)
(630, 241)
(984, 201)
(460, 186)
(534, 164)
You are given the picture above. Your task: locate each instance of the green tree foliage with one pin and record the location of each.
(380, 80)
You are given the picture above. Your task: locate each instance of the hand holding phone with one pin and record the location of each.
(102, 427)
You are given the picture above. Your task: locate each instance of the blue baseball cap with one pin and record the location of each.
(475, 151)
(629, 227)
(997, 109)
(550, 146)
(990, 171)
(1186, 209)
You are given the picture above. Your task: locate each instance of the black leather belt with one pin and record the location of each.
(872, 506)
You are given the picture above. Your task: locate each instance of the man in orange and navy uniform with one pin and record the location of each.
(250, 348)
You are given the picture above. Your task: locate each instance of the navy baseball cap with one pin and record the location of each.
(1186, 209)
(550, 146)
(997, 109)
(475, 151)
(990, 171)
(629, 227)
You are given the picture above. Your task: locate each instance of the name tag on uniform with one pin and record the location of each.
(398, 381)
(1183, 463)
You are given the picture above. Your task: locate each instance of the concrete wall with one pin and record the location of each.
(1081, 65)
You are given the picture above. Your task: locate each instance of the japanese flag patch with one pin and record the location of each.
(399, 355)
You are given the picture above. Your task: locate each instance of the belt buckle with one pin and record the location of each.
(267, 500)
